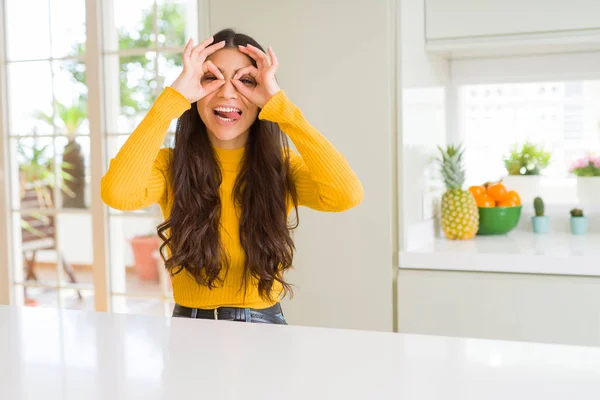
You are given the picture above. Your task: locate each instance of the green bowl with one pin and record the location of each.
(498, 220)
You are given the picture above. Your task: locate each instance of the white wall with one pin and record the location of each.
(334, 64)
(424, 80)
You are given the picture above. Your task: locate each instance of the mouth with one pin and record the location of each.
(227, 114)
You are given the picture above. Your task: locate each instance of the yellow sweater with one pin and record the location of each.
(139, 176)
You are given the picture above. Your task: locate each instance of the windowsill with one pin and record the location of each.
(524, 252)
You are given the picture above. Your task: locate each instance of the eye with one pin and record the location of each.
(208, 78)
(248, 81)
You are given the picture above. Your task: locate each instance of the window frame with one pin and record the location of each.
(98, 18)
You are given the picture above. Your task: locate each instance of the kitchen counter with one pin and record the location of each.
(556, 253)
(52, 354)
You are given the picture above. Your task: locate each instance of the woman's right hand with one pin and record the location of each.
(195, 66)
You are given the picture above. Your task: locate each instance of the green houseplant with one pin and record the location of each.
(37, 174)
(578, 222)
(524, 165)
(587, 171)
(529, 159)
(68, 121)
(540, 221)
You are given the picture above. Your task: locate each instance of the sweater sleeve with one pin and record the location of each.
(135, 178)
(324, 179)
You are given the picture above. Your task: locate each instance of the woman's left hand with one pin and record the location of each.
(262, 85)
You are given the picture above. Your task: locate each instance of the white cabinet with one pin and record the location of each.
(472, 28)
(523, 307)
(475, 18)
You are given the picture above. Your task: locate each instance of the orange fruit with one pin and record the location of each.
(485, 201)
(514, 196)
(507, 203)
(477, 191)
(497, 192)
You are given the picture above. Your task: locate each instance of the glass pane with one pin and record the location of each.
(134, 257)
(169, 68)
(177, 22)
(74, 236)
(40, 297)
(33, 158)
(80, 299)
(68, 27)
(128, 103)
(559, 117)
(126, 305)
(29, 114)
(35, 243)
(169, 139)
(28, 33)
(129, 24)
(70, 93)
(73, 154)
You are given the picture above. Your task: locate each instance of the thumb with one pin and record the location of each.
(213, 86)
(241, 88)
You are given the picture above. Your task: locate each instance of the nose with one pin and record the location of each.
(228, 91)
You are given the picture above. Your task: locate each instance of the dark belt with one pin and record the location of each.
(271, 315)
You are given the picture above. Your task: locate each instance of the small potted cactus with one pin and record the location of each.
(578, 222)
(540, 221)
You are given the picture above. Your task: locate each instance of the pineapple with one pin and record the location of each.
(460, 215)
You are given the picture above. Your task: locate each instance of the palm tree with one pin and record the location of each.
(69, 119)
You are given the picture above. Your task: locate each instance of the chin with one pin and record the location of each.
(233, 130)
(226, 135)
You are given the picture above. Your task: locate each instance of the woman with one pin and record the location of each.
(228, 186)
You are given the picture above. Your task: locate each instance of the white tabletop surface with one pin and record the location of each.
(517, 252)
(50, 354)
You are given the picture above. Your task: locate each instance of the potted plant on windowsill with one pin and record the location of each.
(578, 222)
(144, 248)
(587, 170)
(524, 166)
(67, 119)
(540, 221)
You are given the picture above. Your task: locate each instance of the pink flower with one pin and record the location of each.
(581, 163)
(585, 163)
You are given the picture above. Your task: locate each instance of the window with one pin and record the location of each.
(564, 117)
(50, 149)
(143, 43)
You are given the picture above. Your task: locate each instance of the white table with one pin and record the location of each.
(50, 354)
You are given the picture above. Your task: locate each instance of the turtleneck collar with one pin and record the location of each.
(229, 157)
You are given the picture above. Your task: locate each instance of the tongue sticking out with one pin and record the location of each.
(230, 115)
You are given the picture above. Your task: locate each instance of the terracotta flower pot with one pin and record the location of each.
(146, 266)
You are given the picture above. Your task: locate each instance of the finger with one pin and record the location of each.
(249, 70)
(214, 86)
(210, 66)
(187, 51)
(202, 45)
(259, 56)
(274, 60)
(203, 55)
(188, 47)
(241, 88)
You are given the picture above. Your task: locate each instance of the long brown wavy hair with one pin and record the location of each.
(263, 191)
